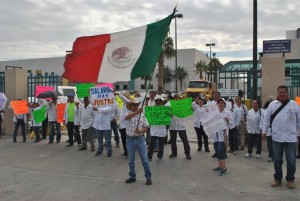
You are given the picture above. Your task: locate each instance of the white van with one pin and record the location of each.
(65, 91)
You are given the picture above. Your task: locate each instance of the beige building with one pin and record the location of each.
(186, 58)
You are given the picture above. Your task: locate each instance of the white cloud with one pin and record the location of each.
(34, 28)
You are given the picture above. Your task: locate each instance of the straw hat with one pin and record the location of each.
(126, 94)
(132, 101)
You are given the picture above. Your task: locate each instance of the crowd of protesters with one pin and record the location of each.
(129, 124)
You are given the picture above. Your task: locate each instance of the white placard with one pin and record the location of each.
(101, 96)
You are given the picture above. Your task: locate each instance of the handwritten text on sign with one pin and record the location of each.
(101, 96)
(158, 115)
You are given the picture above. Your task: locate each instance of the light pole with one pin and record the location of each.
(176, 16)
(209, 45)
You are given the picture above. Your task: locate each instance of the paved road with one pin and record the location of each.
(42, 172)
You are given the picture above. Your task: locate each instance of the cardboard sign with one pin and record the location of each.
(40, 114)
(182, 108)
(60, 110)
(83, 90)
(158, 115)
(20, 106)
(297, 99)
(101, 96)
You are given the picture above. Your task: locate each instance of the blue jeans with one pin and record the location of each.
(270, 146)
(114, 128)
(107, 135)
(53, 124)
(139, 144)
(290, 154)
(254, 138)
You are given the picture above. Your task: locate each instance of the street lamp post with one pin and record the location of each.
(209, 45)
(176, 16)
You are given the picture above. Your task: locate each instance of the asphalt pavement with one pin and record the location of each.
(47, 172)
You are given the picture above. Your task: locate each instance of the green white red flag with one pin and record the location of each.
(121, 56)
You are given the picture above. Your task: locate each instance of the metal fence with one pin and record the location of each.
(2, 82)
(45, 79)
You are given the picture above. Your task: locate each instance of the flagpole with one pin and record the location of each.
(145, 98)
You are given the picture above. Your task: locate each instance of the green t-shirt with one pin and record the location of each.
(71, 112)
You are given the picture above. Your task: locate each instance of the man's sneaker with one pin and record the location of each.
(173, 156)
(247, 155)
(270, 159)
(235, 152)
(82, 148)
(217, 169)
(207, 150)
(159, 159)
(258, 156)
(223, 172)
(290, 184)
(130, 180)
(98, 153)
(124, 155)
(276, 183)
(109, 155)
(188, 157)
(148, 182)
(214, 155)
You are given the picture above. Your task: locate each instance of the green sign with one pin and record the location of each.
(182, 108)
(40, 114)
(83, 90)
(158, 115)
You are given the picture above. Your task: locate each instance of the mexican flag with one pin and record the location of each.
(121, 56)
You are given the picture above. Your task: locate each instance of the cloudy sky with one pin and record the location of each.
(47, 28)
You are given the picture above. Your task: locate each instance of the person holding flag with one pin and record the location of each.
(136, 127)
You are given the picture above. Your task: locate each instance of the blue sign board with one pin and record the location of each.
(276, 46)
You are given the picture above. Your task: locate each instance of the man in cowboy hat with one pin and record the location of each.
(137, 125)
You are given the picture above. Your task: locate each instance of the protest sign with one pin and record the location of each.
(214, 124)
(110, 85)
(297, 99)
(182, 108)
(60, 110)
(158, 115)
(19, 106)
(83, 90)
(40, 114)
(101, 96)
(3, 100)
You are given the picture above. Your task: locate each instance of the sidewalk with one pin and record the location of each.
(42, 172)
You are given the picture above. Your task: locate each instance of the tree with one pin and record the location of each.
(200, 67)
(146, 78)
(214, 66)
(180, 73)
(168, 52)
(167, 75)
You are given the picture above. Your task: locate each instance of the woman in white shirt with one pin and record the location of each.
(269, 136)
(254, 131)
(199, 112)
(157, 132)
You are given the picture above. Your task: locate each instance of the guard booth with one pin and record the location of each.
(17, 82)
(239, 75)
